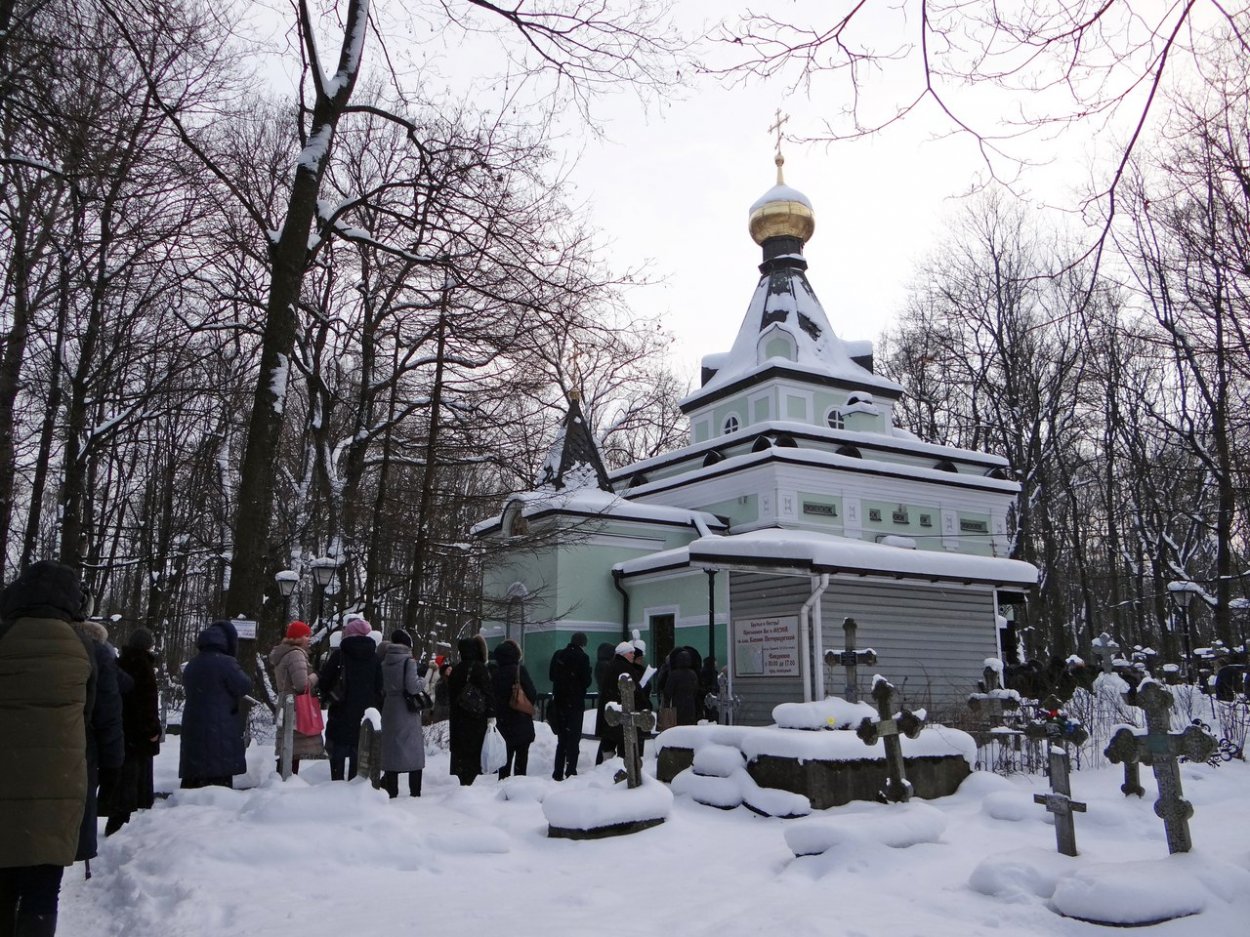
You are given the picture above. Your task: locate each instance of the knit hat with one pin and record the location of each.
(400, 636)
(579, 638)
(357, 627)
(298, 629)
(140, 639)
(625, 648)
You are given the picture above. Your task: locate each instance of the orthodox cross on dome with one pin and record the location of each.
(887, 728)
(1059, 801)
(631, 722)
(850, 658)
(1160, 748)
(776, 128)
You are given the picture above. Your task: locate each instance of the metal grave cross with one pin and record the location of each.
(851, 659)
(630, 722)
(887, 728)
(1059, 801)
(1160, 748)
(1107, 649)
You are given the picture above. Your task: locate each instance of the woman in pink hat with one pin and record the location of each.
(293, 674)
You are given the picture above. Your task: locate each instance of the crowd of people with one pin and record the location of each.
(80, 720)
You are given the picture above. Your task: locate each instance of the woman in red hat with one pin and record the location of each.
(293, 674)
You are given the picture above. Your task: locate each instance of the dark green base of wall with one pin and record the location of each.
(834, 783)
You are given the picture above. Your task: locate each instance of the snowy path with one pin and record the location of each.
(315, 859)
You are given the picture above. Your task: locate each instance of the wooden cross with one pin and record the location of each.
(1059, 801)
(887, 728)
(1106, 648)
(630, 722)
(851, 659)
(1159, 747)
(776, 127)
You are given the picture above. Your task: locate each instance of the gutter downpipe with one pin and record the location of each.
(617, 575)
(805, 633)
(818, 627)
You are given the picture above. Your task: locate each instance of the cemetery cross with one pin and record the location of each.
(1107, 649)
(1160, 748)
(630, 722)
(1059, 801)
(887, 728)
(851, 659)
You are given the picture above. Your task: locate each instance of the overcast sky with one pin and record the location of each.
(669, 186)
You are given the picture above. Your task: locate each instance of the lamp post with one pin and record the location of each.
(286, 579)
(1181, 593)
(323, 570)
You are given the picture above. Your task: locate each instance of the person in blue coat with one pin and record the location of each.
(212, 724)
(351, 682)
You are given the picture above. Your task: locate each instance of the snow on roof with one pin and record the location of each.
(812, 550)
(593, 501)
(780, 193)
(831, 460)
(896, 439)
(784, 301)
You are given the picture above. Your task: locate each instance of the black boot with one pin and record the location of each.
(414, 783)
(35, 925)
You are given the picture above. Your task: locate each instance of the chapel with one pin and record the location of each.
(796, 503)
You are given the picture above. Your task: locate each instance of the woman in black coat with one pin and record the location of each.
(472, 703)
(351, 681)
(212, 751)
(516, 727)
(610, 736)
(681, 689)
(141, 727)
(106, 749)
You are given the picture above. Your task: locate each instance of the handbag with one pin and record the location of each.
(471, 698)
(667, 718)
(308, 719)
(518, 700)
(418, 701)
(494, 751)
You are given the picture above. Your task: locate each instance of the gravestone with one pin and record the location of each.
(850, 658)
(1059, 801)
(631, 722)
(887, 728)
(369, 754)
(1160, 748)
(1107, 650)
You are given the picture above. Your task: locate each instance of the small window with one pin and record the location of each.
(835, 420)
(762, 443)
(850, 451)
(731, 424)
(874, 514)
(946, 465)
(712, 458)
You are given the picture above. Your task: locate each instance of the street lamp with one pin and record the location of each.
(1181, 593)
(286, 579)
(323, 570)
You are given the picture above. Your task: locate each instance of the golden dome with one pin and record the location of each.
(782, 212)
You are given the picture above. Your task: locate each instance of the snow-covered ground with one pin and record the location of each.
(311, 858)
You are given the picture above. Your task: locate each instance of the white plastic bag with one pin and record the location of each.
(494, 751)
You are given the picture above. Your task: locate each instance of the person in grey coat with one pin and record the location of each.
(403, 741)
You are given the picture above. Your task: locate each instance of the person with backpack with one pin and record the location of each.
(403, 739)
(569, 673)
(472, 704)
(350, 682)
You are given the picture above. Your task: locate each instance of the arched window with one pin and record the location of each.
(731, 424)
(712, 458)
(514, 618)
(834, 419)
(850, 451)
(946, 465)
(762, 443)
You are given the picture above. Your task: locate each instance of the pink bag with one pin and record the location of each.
(308, 720)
